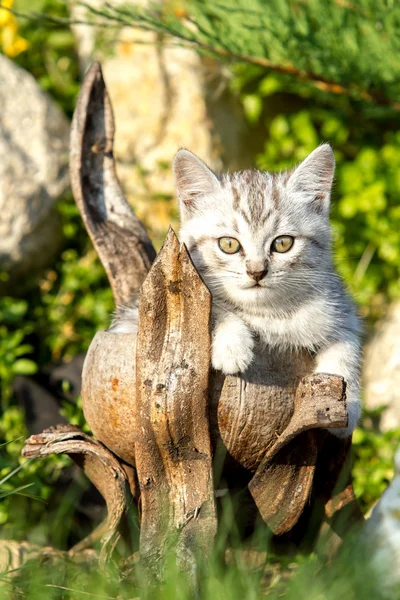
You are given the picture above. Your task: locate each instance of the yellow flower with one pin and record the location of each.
(11, 43)
(5, 15)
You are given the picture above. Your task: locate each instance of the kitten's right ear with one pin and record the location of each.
(312, 179)
(193, 180)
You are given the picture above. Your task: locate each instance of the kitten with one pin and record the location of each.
(262, 244)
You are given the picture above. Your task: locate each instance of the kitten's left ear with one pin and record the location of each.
(312, 180)
(193, 180)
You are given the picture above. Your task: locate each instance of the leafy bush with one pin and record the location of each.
(56, 320)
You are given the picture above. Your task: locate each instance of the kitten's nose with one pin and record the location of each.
(257, 275)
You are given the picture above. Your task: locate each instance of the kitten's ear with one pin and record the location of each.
(312, 180)
(193, 180)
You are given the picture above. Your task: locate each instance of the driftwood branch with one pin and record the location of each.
(155, 404)
(172, 446)
(283, 480)
(254, 415)
(120, 239)
(14, 555)
(102, 469)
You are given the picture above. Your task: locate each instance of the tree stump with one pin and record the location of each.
(155, 404)
(172, 439)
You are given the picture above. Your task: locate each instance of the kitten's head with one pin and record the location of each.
(258, 238)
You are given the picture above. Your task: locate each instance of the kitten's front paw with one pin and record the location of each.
(232, 348)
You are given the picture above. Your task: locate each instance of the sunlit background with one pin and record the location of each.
(241, 84)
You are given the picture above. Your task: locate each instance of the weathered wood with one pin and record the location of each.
(109, 392)
(172, 446)
(320, 402)
(253, 416)
(102, 469)
(120, 239)
(248, 414)
(282, 483)
(14, 555)
(333, 487)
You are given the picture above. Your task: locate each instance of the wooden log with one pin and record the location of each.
(102, 469)
(258, 424)
(14, 555)
(334, 489)
(109, 392)
(248, 413)
(172, 446)
(282, 483)
(120, 239)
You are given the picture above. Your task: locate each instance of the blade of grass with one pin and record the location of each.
(61, 587)
(10, 492)
(11, 441)
(15, 471)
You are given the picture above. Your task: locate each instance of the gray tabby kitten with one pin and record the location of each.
(262, 244)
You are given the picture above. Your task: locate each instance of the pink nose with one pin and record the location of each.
(257, 275)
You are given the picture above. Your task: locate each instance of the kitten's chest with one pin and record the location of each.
(308, 327)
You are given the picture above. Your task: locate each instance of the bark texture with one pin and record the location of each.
(172, 444)
(120, 239)
(102, 469)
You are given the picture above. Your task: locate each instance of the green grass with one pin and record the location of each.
(237, 570)
(292, 577)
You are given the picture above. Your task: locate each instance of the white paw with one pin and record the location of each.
(353, 403)
(343, 358)
(232, 347)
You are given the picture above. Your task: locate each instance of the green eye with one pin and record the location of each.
(229, 245)
(282, 244)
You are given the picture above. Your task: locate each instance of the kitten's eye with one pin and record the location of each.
(229, 245)
(282, 244)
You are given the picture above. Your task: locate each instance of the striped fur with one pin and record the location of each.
(300, 302)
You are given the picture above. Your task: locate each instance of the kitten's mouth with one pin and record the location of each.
(255, 286)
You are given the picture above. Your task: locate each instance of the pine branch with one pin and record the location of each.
(322, 83)
(226, 32)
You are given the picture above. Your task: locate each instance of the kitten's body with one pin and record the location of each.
(288, 300)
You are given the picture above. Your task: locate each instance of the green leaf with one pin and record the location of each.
(24, 366)
(252, 107)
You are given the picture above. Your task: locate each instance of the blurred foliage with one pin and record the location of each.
(52, 57)
(57, 319)
(26, 485)
(12, 348)
(373, 466)
(242, 577)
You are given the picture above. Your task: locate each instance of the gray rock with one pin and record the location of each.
(381, 536)
(34, 139)
(381, 374)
